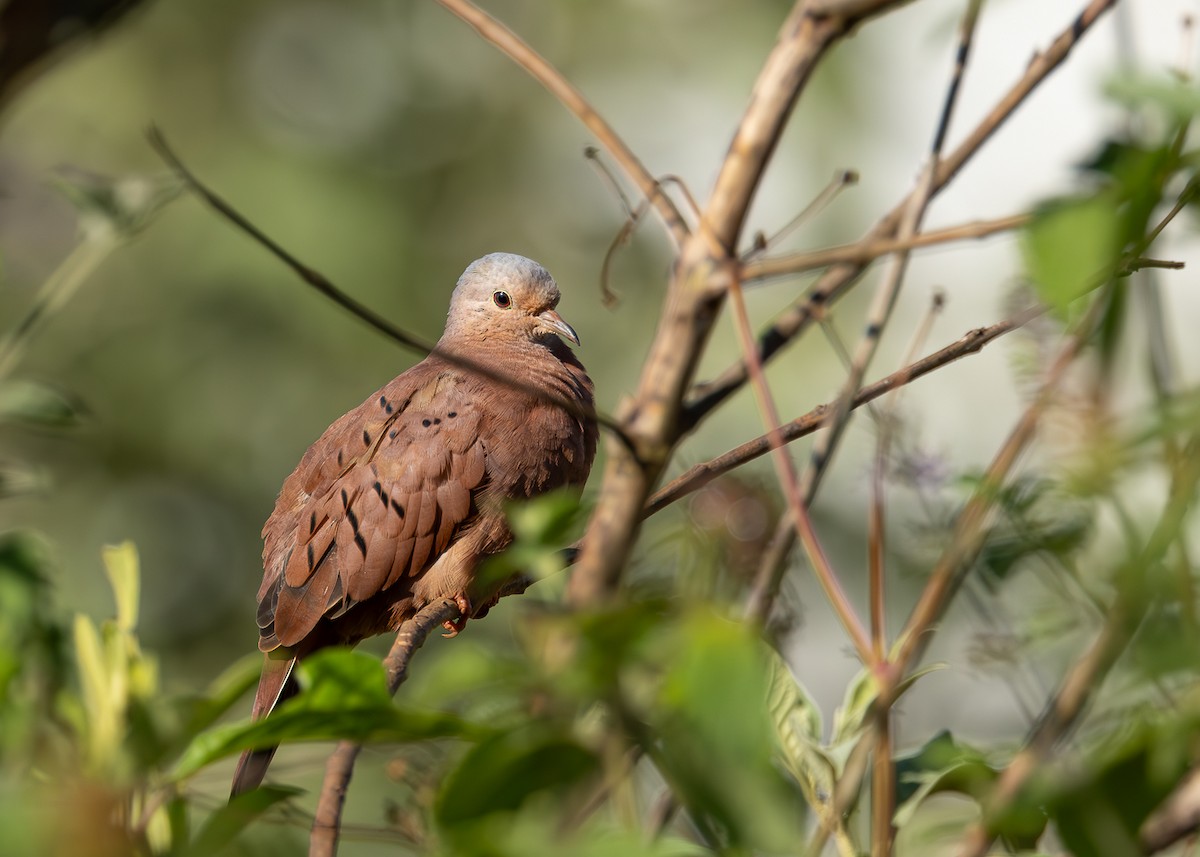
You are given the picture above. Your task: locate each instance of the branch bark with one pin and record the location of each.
(700, 278)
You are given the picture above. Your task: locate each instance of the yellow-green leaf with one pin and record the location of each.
(1071, 246)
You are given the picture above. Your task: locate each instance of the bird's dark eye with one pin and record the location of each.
(502, 299)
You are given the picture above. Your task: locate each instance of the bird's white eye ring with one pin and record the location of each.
(501, 299)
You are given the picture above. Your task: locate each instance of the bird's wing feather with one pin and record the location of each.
(373, 502)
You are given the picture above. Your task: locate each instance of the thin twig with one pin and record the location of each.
(841, 180)
(796, 501)
(510, 44)
(885, 422)
(883, 770)
(869, 249)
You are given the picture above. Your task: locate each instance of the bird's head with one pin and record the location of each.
(503, 297)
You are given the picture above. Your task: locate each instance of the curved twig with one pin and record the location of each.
(540, 69)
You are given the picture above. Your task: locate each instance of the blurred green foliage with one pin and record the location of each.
(167, 399)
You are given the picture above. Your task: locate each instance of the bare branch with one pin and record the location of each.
(841, 180)
(801, 43)
(694, 295)
(840, 278)
(411, 635)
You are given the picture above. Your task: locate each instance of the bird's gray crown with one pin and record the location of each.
(524, 278)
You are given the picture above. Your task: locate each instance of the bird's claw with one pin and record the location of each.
(454, 626)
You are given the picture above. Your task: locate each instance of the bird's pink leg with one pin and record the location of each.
(465, 610)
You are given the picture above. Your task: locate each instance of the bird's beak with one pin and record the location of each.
(554, 322)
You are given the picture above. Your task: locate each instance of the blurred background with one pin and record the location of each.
(387, 146)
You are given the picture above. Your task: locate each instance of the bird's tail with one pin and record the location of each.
(276, 685)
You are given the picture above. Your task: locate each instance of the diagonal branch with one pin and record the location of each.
(699, 280)
(326, 287)
(701, 474)
(801, 521)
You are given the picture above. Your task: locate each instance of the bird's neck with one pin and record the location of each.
(547, 364)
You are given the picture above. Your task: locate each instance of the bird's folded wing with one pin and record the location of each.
(373, 504)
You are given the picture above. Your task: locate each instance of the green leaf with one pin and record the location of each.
(344, 697)
(1071, 247)
(104, 713)
(35, 404)
(946, 765)
(798, 728)
(718, 741)
(502, 772)
(121, 206)
(1178, 99)
(1100, 803)
(227, 822)
(848, 719)
(225, 691)
(541, 527)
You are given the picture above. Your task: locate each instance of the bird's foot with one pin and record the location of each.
(453, 626)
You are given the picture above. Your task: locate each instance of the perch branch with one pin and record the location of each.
(411, 636)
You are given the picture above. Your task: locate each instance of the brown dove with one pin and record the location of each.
(397, 502)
